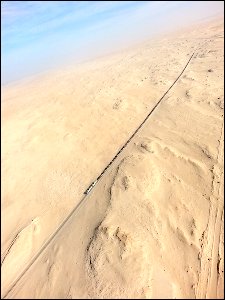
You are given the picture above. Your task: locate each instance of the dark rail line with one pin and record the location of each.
(92, 185)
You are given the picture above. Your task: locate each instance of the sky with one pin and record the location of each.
(37, 36)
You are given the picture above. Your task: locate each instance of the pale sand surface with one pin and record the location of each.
(152, 227)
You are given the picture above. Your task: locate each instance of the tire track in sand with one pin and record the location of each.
(208, 278)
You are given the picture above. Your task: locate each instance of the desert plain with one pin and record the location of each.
(153, 224)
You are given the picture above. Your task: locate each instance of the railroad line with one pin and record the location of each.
(88, 190)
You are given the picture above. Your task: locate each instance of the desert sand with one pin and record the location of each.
(152, 226)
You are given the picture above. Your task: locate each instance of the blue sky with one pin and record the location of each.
(40, 35)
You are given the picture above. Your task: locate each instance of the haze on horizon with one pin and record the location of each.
(41, 35)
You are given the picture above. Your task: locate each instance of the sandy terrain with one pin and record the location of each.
(152, 227)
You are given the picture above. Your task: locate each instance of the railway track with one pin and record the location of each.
(94, 183)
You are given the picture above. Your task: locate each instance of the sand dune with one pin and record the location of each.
(152, 227)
